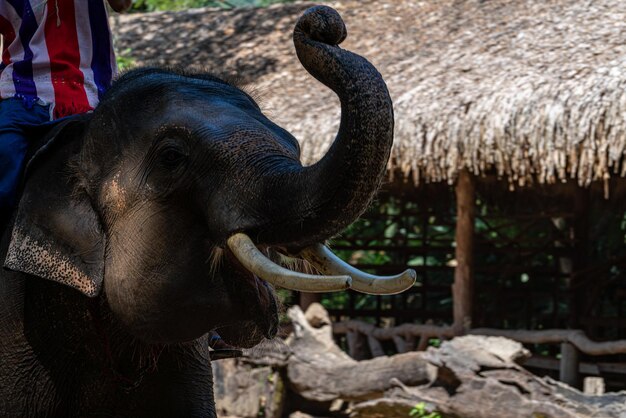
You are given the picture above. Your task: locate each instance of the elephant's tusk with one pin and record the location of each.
(322, 258)
(252, 259)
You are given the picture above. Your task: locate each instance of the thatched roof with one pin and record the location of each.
(532, 89)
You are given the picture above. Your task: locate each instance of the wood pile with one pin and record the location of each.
(473, 376)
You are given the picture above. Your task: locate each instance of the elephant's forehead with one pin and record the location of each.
(211, 116)
(222, 122)
(195, 113)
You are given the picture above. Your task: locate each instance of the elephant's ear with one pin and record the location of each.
(57, 234)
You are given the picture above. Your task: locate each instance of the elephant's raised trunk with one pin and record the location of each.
(325, 198)
(306, 205)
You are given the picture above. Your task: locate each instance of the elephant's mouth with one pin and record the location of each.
(263, 291)
(258, 310)
(253, 273)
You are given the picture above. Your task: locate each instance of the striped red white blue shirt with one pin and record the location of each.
(56, 52)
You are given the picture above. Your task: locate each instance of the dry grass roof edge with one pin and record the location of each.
(533, 90)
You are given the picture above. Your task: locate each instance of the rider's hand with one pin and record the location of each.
(120, 5)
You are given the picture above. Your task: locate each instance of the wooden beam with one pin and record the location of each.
(546, 336)
(592, 369)
(556, 336)
(463, 287)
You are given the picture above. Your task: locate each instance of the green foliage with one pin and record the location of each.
(153, 5)
(124, 60)
(391, 235)
(435, 342)
(420, 411)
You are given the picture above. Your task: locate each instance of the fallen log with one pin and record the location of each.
(470, 377)
(320, 371)
(479, 377)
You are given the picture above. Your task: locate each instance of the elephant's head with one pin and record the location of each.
(171, 194)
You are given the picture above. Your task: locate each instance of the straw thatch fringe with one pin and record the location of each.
(535, 89)
(523, 126)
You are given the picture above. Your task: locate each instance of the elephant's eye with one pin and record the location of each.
(171, 157)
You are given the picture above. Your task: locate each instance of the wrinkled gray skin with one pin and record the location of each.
(117, 255)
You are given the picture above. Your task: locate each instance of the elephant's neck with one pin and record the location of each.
(78, 347)
(125, 361)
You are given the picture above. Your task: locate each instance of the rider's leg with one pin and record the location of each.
(15, 119)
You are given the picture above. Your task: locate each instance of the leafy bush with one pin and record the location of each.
(420, 411)
(124, 60)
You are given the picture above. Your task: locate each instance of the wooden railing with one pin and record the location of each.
(365, 339)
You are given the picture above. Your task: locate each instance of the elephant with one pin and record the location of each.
(162, 216)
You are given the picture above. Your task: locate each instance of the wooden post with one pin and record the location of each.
(306, 299)
(358, 347)
(376, 348)
(568, 368)
(463, 287)
(579, 293)
(401, 344)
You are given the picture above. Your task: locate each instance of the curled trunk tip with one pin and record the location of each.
(322, 24)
